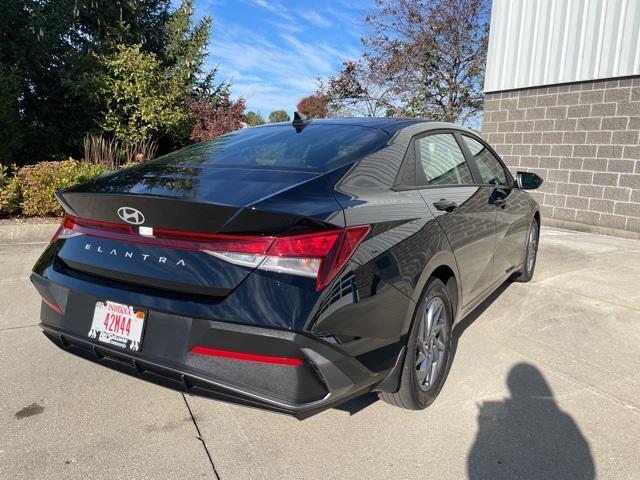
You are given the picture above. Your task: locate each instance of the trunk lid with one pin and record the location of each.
(193, 201)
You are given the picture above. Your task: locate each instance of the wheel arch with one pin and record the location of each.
(442, 266)
(447, 276)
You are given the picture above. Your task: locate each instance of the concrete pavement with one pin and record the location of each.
(545, 384)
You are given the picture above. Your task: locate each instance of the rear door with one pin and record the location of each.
(462, 207)
(512, 206)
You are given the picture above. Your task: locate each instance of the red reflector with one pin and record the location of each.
(53, 306)
(249, 357)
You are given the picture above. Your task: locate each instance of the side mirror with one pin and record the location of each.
(528, 180)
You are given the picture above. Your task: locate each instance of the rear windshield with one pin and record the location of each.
(315, 147)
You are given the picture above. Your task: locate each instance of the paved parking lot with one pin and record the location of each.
(545, 384)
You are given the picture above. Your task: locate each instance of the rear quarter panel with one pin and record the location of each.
(406, 245)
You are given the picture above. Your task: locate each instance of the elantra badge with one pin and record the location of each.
(131, 215)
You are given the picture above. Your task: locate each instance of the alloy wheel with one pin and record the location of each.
(432, 343)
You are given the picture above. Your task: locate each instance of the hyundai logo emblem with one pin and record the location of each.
(131, 215)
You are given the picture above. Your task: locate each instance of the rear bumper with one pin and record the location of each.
(327, 376)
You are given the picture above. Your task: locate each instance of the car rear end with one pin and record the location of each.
(203, 270)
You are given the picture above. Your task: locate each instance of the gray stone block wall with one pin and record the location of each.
(584, 140)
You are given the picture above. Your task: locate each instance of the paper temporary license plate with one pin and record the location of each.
(118, 325)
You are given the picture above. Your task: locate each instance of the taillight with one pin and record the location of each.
(317, 255)
(65, 230)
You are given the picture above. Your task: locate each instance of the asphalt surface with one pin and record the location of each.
(545, 384)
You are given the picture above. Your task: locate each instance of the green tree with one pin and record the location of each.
(151, 95)
(58, 49)
(254, 118)
(279, 116)
(11, 139)
(53, 47)
(185, 53)
(142, 102)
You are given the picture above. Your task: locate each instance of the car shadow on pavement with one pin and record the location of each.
(467, 321)
(358, 404)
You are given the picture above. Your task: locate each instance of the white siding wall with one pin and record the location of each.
(545, 42)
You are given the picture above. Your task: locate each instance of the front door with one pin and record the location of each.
(511, 204)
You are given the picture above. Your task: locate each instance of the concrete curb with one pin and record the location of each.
(583, 227)
(28, 232)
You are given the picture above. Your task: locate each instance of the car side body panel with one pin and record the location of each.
(513, 221)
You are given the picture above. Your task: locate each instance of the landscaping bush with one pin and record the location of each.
(31, 190)
(9, 201)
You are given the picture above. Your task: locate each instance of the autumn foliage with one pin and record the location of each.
(314, 106)
(431, 54)
(213, 119)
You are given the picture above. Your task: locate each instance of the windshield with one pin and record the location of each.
(316, 147)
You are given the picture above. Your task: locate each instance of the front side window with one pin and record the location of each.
(491, 169)
(442, 160)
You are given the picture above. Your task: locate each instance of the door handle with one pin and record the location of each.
(445, 205)
(501, 201)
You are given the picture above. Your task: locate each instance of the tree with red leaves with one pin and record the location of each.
(314, 106)
(215, 118)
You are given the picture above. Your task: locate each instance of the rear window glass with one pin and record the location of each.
(316, 147)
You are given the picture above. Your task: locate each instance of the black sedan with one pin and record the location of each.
(290, 266)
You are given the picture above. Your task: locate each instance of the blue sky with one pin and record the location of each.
(274, 50)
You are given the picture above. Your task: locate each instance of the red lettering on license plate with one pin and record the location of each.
(117, 323)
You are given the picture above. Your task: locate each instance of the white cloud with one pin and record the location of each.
(276, 58)
(272, 75)
(291, 27)
(314, 18)
(274, 7)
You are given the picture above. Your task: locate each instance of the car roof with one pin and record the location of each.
(389, 124)
(374, 122)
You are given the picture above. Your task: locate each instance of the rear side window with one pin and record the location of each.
(442, 160)
(316, 147)
(491, 170)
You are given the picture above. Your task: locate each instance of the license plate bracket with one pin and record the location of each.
(118, 325)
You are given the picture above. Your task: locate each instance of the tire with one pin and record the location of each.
(411, 395)
(529, 264)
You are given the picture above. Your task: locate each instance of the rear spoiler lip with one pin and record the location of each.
(67, 208)
(320, 222)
